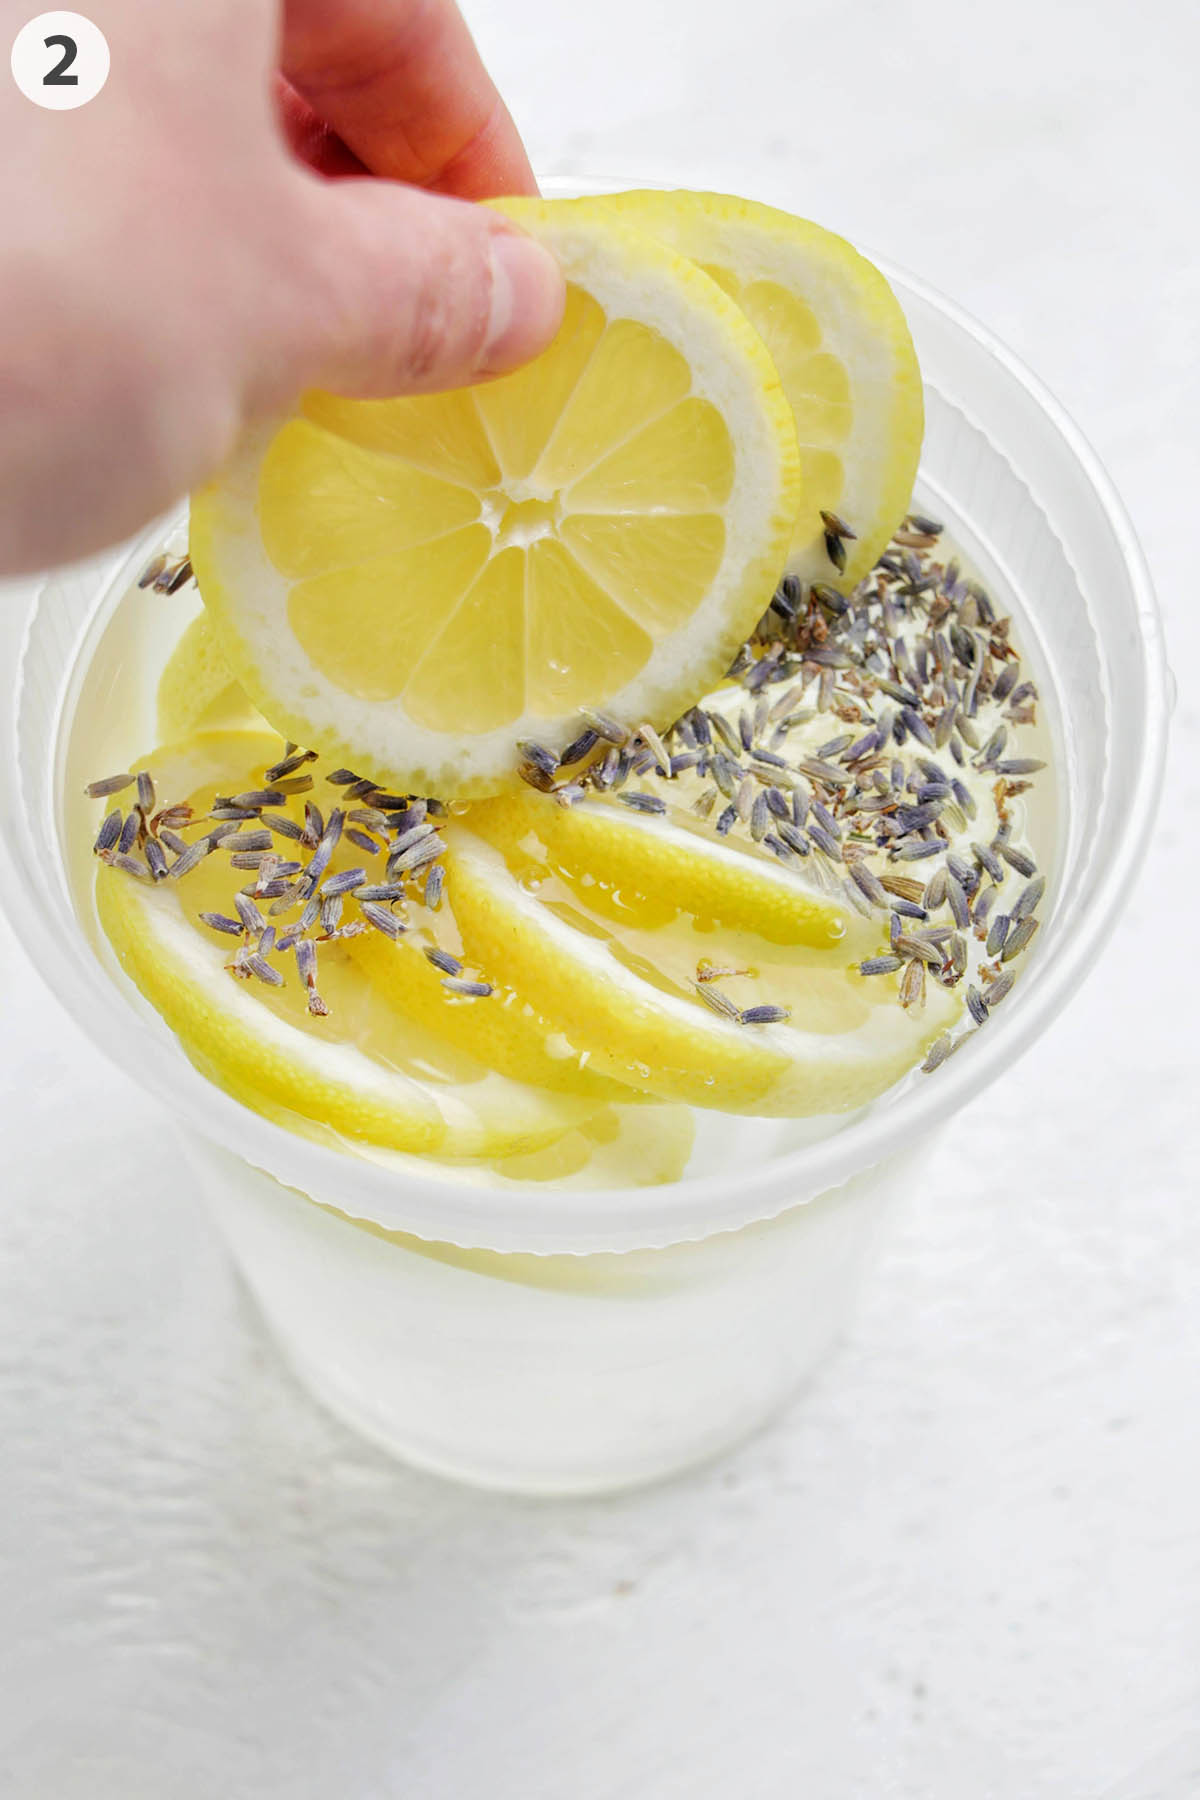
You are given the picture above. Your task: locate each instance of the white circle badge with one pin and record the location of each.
(60, 60)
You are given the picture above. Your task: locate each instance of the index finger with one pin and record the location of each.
(401, 83)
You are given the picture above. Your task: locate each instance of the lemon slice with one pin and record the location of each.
(414, 585)
(630, 996)
(839, 339)
(653, 871)
(507, 1034)
(619, 1146)
(197, 690)
(628, 865)
(362, 1073)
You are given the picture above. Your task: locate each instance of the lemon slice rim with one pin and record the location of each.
(868, 284)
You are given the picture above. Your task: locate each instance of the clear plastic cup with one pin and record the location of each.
(550, 1341)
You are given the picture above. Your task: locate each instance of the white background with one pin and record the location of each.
(967, 1565)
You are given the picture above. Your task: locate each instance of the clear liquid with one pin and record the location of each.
(109, 723)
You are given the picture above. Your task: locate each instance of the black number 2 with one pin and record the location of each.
(58, 76)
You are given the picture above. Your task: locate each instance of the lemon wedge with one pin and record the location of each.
(413, 585)
(362, 1073)
(839, 339)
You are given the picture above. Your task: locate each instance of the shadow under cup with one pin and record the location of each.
(572, 1342)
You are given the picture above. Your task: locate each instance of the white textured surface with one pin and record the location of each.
(967, 1566)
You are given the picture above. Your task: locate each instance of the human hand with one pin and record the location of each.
(172, 265)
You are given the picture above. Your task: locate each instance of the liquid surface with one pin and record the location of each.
(662, 941)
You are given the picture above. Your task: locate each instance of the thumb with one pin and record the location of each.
(405, 292)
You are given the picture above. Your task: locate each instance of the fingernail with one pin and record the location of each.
(527, 301)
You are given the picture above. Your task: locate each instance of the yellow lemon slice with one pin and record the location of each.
(414, 585)
(197, 690)
(648, 870)
(619, 1146)
(506, 1034)
(360, 1072)
(628, 867)
(671, 1004)
(839, 339)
